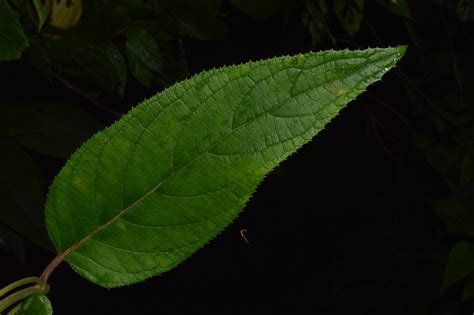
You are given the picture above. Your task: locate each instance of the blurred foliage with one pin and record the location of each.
(465, 10)
(102, 54)
(13, 40)
(51, 129)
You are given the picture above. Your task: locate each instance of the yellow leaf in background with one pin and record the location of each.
(65, 13)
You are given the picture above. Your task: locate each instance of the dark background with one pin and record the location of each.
(374, 216)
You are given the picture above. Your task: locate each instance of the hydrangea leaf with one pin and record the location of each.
(144, 194)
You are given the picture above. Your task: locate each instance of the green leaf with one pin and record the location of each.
(144, 194)
(397, 7)
(315, 16)
(87, 53)
(143, 55)
(53, 129)
(468, 290)
(198, 19)
(102, 64)
(37, 55)
(36, 305)
(12, 242)
(460, 264)
(42, 12)
(456, 212)
(21, 195)
(350, 14)
(465, 10)
(261, 9)
(12, 38)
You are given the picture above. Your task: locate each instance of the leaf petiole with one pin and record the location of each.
(17, 284)
(14, 310)
(22, 294)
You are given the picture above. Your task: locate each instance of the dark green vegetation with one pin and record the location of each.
(372, 217)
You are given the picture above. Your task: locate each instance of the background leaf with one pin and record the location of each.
(397, 7)
(197, 19)
(53, 129)
(460, 264)
(143, 55)
(21, 195)
(350, 13)
(468, 290)
(11, 242)
(36, 305)
(12, 38)
(42, 12)
(88, 53)
(144, 194)
(258, 9)
(465, 10)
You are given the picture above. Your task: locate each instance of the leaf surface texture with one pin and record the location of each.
(36, 305)
(144, 194)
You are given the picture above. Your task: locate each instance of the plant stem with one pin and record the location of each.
(50, 268)
(14, 310)
(60, 258)
(21, 295)
(17, 284)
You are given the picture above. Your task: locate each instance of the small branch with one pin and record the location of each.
(87, 97)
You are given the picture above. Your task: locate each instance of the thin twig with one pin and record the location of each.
(243, 236)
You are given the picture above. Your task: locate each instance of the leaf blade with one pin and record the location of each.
(13, 40)
(36, 305)
(194, 155)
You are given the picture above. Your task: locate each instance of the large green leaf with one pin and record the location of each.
(36, 305)
(146, 193)
(12, 37)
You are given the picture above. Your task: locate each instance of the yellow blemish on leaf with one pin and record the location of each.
(298, 59)
(121, 225)
(79, 182)
(340, 93)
